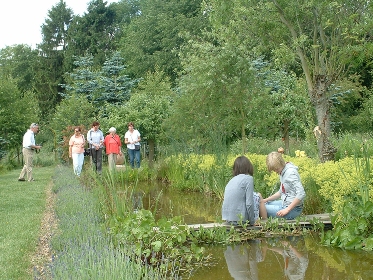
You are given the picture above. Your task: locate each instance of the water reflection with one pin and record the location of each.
(290, 258)
(242, 260)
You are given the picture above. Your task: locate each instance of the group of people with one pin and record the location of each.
(241, 204)
(96, 142)
(112, 143)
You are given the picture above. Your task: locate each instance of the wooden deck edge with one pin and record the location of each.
(306, 221)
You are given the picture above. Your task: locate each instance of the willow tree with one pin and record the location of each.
(217, 88)
(317, 36)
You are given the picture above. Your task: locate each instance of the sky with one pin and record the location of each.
(21, 20)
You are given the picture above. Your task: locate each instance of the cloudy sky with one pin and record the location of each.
(20, 20)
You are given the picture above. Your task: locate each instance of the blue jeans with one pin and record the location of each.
(134, 156)
(274, 206)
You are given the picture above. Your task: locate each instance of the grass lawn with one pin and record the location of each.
(21, 211)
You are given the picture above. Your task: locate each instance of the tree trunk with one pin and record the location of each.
(322, 107)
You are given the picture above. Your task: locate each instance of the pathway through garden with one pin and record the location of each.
(43, 254)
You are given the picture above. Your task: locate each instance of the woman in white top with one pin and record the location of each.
(132, 139)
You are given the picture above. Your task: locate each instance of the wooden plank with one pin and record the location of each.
(305, 221)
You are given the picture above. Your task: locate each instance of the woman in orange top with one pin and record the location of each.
(113, 147)
(76, 150)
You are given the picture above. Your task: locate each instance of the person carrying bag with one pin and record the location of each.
(95, 139)
(132, 139)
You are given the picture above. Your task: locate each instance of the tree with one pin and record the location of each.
(18, 62)
(83, 80)
(49, 74)
(217, 88)
(316, 36)
(94, 33)
(115, 86)
(72, 111)
(18, 110)
(110, 85)
(154, 36)
(55, 29)
(284, 110)
(148, 107)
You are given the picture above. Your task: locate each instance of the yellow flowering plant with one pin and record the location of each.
(327, 183)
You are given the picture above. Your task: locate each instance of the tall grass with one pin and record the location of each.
(352, 144)
(82, 248)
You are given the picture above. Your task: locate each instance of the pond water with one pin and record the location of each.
(195, 208)
(268, 258)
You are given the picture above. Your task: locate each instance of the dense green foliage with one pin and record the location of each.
(17, 108)
(353, 223)
(224, 71)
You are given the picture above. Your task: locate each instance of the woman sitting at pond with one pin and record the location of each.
(291, 189)
(241, 203)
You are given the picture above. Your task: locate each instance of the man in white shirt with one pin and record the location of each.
(95, 138)
(28, 150)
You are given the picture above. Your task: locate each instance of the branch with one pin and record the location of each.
(299, 50)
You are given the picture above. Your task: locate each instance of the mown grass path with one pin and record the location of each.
(22, 209)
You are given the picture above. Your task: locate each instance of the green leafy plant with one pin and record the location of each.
(353, 226)
(155, 242)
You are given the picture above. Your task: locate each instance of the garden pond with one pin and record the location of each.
(267, 258)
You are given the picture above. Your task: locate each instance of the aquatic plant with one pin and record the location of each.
(158, 243)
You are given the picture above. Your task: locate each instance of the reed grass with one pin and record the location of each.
(82, 248)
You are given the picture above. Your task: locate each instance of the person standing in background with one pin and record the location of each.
(28, 150)
(132, 139)
(113, 147)
(76, 150)
(95, 138)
